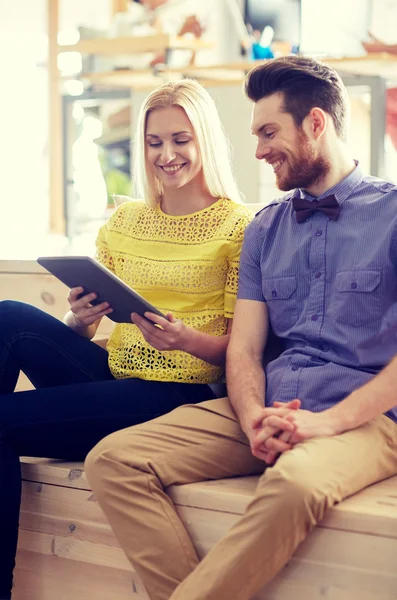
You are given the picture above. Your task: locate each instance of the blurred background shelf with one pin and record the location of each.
(160, 42)
(110, 83)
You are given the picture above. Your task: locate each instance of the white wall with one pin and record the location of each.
(384, 20)
(334, 27)
(24, 197)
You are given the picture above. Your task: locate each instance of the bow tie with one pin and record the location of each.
(304, 208)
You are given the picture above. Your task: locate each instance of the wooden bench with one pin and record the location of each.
(68, 551)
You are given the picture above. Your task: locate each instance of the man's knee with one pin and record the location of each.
(299, 492)
(106, 456)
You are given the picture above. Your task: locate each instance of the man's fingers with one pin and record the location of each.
(292, 405)
(267, 412)
(263, 436)
(285, 437)
(277, 422)
(277, 445)
(271, 426)
(261, 454)
(274, 426)
(257, 422)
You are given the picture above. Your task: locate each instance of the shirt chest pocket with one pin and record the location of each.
(280, 295)
(357, 299)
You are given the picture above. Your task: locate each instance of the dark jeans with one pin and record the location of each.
(77, 402)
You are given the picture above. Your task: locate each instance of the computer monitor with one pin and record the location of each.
(284, 16)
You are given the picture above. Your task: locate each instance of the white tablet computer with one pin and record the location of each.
(83, 271)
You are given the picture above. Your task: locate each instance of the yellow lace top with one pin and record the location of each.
(187, 265)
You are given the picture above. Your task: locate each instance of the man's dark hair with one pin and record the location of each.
(304, 84)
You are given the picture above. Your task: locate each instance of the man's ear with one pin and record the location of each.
(315, 123)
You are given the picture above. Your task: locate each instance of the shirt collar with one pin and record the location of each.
(341, 190)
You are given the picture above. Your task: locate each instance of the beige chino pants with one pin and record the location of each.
(129, 470)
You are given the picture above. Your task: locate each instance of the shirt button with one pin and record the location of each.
(274, 294)
(317, 275)
(319, 232)
(295, 368)
(353, 285)
(314, 317)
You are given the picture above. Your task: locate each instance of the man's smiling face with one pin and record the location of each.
(296, 159)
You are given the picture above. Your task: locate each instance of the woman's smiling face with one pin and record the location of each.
(172, 153)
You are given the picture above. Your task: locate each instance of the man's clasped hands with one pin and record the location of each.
(279, 428)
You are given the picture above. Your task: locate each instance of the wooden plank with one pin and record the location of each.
(90, 531)
(328, 584)
(54, 472)
(40, 289)
(224, 495)
(332, 563)
(328, 564)
(43, 577)
(68, 525)
(21, 266)
(326, 560)
(285, 589)
(72, 548)
(66, 503)
(372, 511)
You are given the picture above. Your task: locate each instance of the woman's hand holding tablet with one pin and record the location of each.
(86, 273)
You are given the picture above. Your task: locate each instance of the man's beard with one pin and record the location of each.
(306, 169)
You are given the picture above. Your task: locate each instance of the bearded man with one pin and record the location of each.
(319, 422)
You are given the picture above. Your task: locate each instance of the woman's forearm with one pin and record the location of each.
(210, 348)
(87, 331)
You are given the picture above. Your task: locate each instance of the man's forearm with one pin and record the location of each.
(368, 402)
(246, 385)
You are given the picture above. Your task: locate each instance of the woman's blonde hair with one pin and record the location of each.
(213, 145)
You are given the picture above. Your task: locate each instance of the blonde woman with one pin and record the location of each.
(179, 247)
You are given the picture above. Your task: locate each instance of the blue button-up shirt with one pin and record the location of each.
(330, 288)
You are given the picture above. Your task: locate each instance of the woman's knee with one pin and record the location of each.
(13, 314)
(9, 308)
